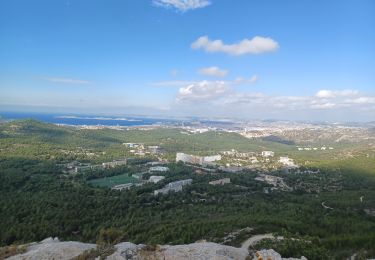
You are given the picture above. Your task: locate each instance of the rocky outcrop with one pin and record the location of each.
(52, 248)
(202, 251)
(126, 250)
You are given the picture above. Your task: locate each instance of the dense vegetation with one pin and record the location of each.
(37, 200)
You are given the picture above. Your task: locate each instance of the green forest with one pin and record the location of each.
(38, 200)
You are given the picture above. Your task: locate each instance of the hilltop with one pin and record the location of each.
(52, 248)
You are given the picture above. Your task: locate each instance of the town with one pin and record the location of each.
(230, 161)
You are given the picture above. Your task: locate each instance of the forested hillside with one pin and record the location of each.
(38, 200)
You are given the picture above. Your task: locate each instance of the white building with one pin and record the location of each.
(114, 163)
(212, 158)
(153, 149)
(121, 187)
(268, 154)
(159, 169)
(194, 159)
(187, 158)
(287, 161)
(156, 179)
(175, 186)
(253, 160)
(155, 163)
(220, 182)
(133, 145)
(230, 152)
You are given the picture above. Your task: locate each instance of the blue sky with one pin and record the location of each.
(287, 59)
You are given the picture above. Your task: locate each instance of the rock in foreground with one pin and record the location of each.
(202, 251)
(54, 249)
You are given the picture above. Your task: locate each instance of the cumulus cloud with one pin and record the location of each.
(256, 45)
(336, 93)
(362, 100)
(184, 83)
(171, 83)
(68, 80)
(326, 100)
(203, 91)
(222, 95)
(182, 5)
(322, 105)
(213, 71)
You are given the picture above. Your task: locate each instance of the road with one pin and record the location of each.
(325, 206)
(255, 239)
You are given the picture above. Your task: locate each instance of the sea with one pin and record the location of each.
(92, 120)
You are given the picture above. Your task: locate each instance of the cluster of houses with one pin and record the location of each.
(195, 159)
(251, 159)
(323, 148)
(234, 160)
(288, 162)
(267, 154)
(77, 167)
(236, 154)
(191, 130)
(142, 150)
(275, 181)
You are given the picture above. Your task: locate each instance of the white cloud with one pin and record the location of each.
(362, 100)
(239, 80)
(324, 94)
(256, 45)
(213, 71)
(323, 105)
(222, 96)
(182, 5)
(220, 91)
(171, 83)
(203, 91)
(68, 80)
(336, 93)
(184, 83)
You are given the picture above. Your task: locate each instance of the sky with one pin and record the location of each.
(250, 59)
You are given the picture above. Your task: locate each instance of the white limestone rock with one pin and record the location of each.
(203, 251)
(126, 250)
(52, 248)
